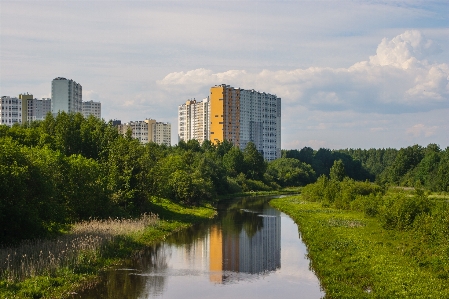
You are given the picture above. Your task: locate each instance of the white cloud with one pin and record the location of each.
(378, 129)
(397, 79)
(419, 130)
(404, 51)
(89, 95)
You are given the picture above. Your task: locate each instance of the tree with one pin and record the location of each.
(337, 171)
(233, 161)
(290, 172)
(254, 163)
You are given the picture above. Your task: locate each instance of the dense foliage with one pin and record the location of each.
(413, 166)
(68, 168)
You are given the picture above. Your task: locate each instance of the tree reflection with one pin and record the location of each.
(129, 283)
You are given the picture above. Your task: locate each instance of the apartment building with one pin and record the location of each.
(91, 108)
(10, 111)
(66, 95)
(193, 120)
(34, 109)
(148, 130)
(243, 116)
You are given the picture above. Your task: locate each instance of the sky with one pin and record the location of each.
(351, 74)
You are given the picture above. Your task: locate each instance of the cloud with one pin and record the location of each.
(404, 51)
(419, 130)
(90, 95)
(397, 79)
(378, 129)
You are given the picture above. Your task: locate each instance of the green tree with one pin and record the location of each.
(337, 171)
(290, 172)
(254, 163)
(233, 161)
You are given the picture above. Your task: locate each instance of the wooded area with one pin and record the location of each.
(68, 168)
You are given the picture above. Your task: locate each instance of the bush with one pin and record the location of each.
(233, 186)
(399, 210)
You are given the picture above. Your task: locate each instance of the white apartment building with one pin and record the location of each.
(148, 130)
(193, 120)
(162, 133)
(92, 108)
(37, 109)
(260, 122)
(66, 95)
(10, 111)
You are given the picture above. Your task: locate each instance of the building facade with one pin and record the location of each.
(91, 108)
(193, 120)
(10, 111)
(243, 116)
(148, 130)
(66, 95)
(26, 100)
(34, 109)
(162, 133)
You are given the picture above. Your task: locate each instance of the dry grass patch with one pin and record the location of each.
(83, 244)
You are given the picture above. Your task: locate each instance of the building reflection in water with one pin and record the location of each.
(254, 249)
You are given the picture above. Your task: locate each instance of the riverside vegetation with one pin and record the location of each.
(367, 242)
(68, 172)
(58, 173)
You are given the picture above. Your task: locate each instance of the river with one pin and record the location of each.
(250, 250)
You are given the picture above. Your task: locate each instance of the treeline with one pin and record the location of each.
(413, 166)
(68, 168)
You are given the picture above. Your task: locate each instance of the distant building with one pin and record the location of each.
(193, 120)
(25, 98)
(243, 116)
(92, 108)
(236, 115)
(34, 109)
(147, 130)
(162, 133)
(10, 111)
(66, 95)
(116, 122)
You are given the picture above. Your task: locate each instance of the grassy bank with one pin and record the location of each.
(354, 257)
(283, 191)
(55, 268)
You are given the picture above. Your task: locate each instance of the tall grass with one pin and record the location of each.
(84, 244)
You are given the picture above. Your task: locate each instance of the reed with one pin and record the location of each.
(84, 244)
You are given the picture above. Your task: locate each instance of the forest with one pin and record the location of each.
(69, 168)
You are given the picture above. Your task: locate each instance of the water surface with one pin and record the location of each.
(250, 250)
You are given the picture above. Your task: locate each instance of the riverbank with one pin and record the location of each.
(354, 257)
(105, 244)
(283, 191)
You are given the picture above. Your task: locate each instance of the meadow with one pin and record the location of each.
(360, 256)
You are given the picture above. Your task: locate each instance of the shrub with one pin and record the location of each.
(399, 211)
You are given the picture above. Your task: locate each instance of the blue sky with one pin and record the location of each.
(357, 74)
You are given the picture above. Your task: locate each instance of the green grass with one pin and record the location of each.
(283, 191)
(63, 281)
(354, 257)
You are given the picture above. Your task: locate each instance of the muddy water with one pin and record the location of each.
(250, 250)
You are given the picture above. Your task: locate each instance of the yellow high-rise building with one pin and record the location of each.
(241, 116)
(225, 114)
(25, 99)
(237, 115)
